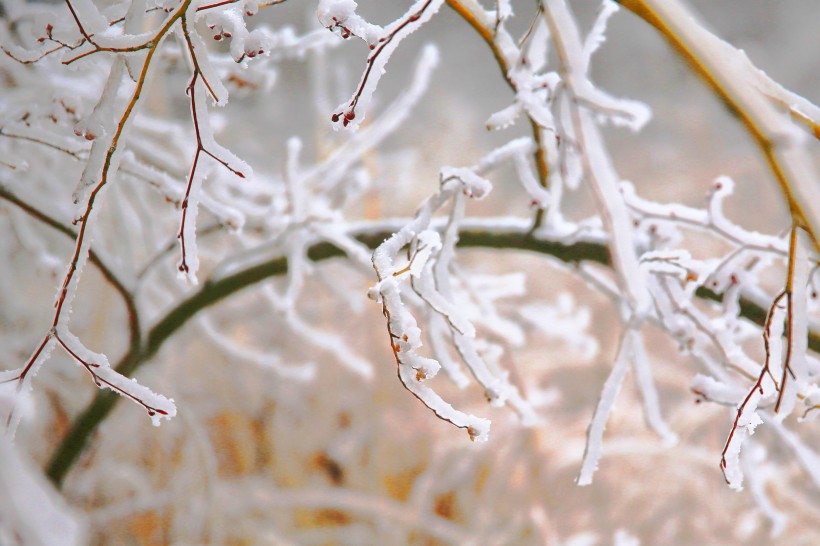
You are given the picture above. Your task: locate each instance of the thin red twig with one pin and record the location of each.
(350, 115)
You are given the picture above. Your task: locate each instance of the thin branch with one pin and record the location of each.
(108, 160)
(100, 381)
(79, 23)
(200, 146)
(228, 2)
(758, 386)
(66, 151)
(489, 38)
(383, 42)
(150, 45)
(787, 370)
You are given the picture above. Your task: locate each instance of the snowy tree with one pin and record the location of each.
(278, 279)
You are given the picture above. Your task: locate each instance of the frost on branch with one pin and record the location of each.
(120, 166)
(338, 14)
(612, 387)
(157, 406)
(428, 272)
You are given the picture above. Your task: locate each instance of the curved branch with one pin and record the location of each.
(723, 68)
(212, 292)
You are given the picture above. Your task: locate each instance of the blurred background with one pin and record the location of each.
(259, 457)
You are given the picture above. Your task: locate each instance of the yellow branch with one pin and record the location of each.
(710, 73)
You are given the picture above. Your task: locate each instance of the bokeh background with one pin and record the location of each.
(258, 458)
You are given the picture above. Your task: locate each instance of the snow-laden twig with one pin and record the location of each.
(649, 394)
(597, 164)
(612, 386)
(105, 377)
(341, 15)
(103, 170)
(428, 270)
(405, 336)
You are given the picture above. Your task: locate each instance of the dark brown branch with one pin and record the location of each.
(213, 292)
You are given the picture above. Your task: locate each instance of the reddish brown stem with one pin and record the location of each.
(200, 147)
(348, 116)
(100, 381)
